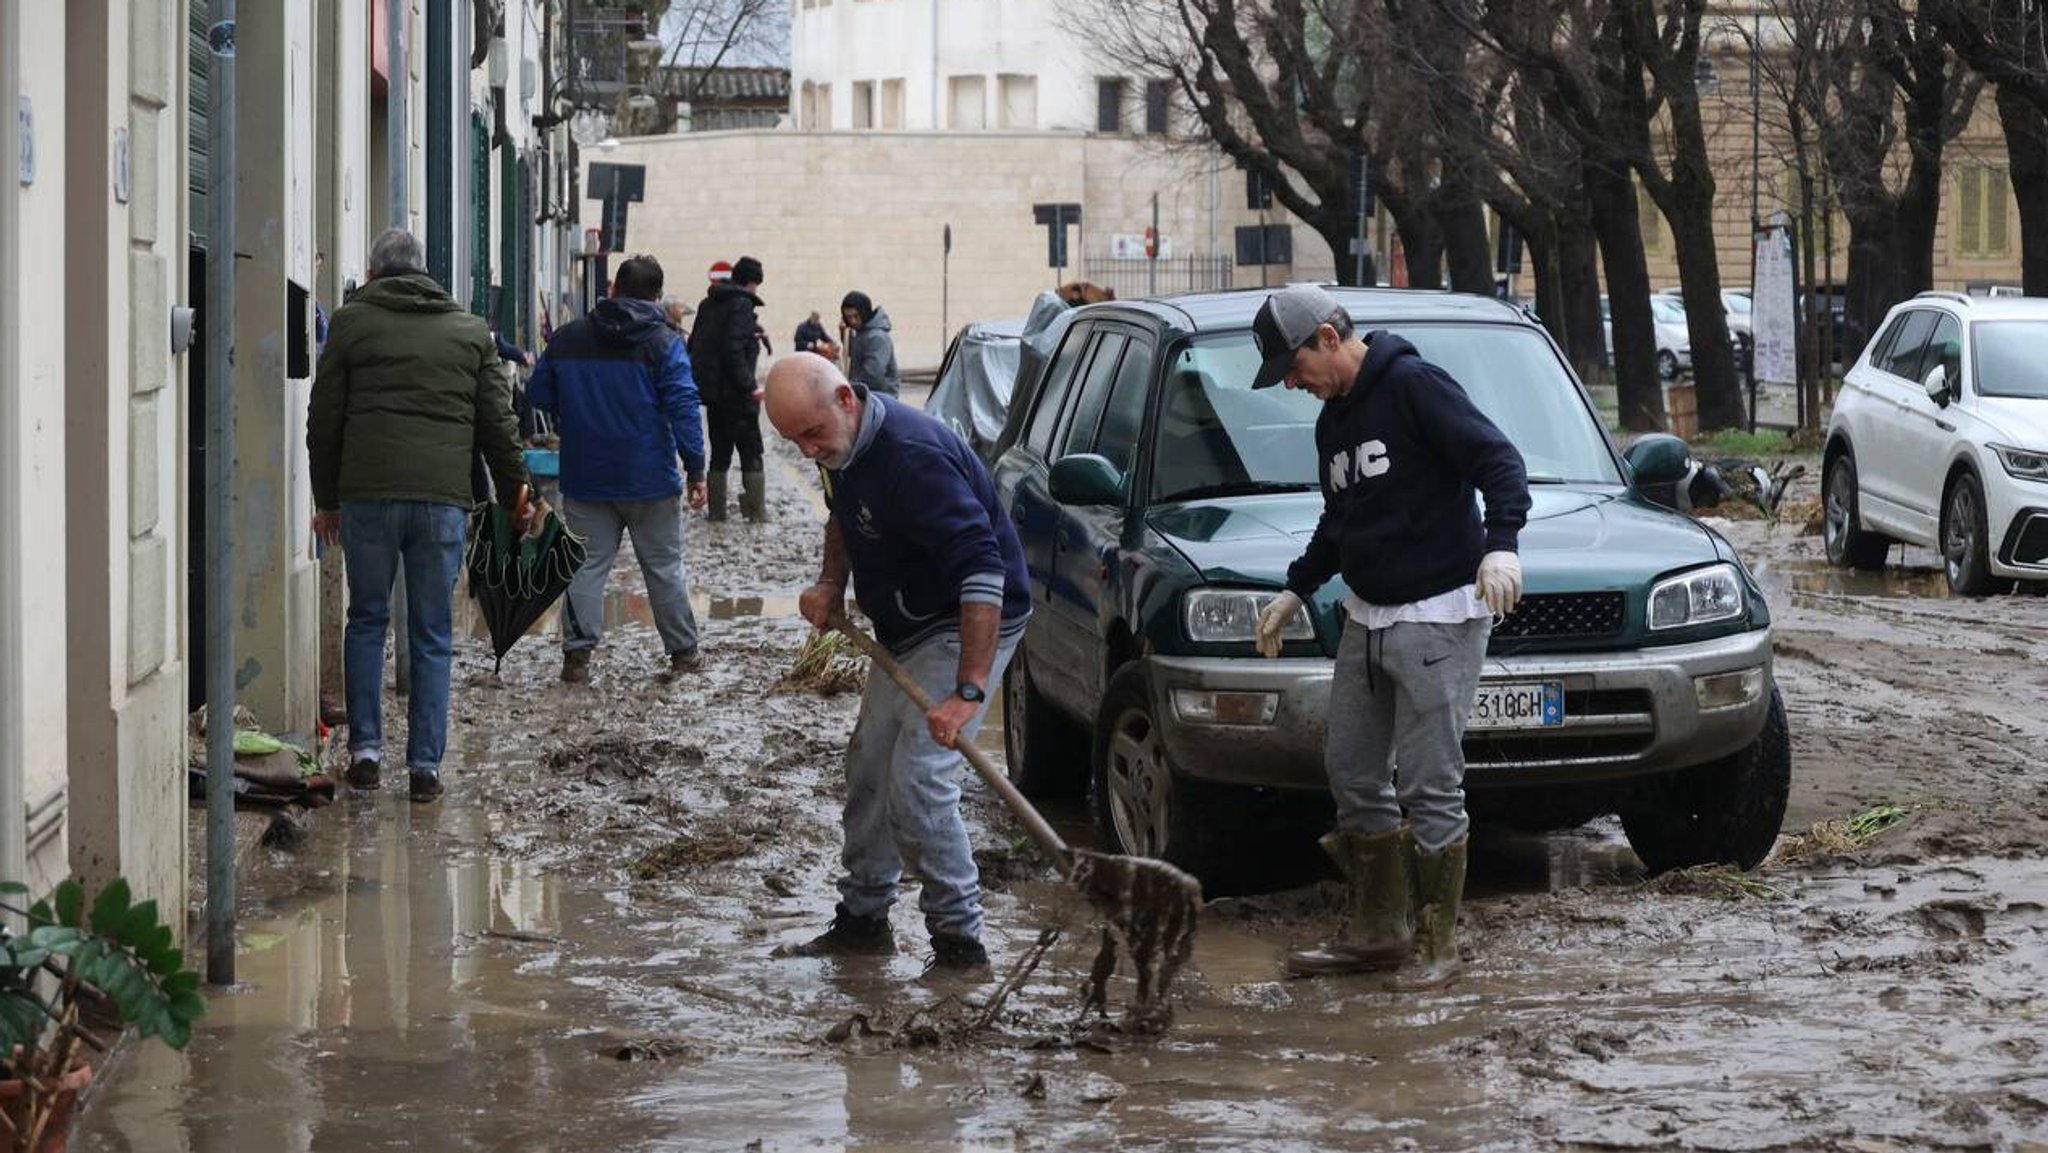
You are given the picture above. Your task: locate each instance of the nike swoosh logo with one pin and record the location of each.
(1428, 661)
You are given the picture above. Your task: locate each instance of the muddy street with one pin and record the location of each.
(572, 950)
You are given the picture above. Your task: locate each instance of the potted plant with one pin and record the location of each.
(68, 976)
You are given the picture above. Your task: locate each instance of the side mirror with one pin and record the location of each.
(1657, 459)
(1086, 478)
(1936, 385)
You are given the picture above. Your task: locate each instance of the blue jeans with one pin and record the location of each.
(903, 796)
(378, 536)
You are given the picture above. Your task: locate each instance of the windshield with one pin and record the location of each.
(2009, 361)
(1738, 304)
(1667, 310)
(1217, 436)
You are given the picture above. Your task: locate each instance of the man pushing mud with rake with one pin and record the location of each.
(937, 567)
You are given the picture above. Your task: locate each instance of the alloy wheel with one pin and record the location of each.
(1140, 786)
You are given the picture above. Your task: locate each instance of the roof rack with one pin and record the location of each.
(1943, 294)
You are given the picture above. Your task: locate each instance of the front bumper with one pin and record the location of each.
(1627, 714)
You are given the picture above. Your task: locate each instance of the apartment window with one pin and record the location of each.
(1982, 231)
(892, 104)
(1156, 103)
(807, 108)
(863, 104)
(1019, 101)
(967, 103)
(1109, 105)
(821, 108)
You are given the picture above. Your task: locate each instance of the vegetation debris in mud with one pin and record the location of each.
(1843, 835)
(1720, 882)
(621, 758)
(687, 850)
(826, 664)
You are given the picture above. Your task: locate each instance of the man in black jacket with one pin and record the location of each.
(1402, 451)
(724, 349)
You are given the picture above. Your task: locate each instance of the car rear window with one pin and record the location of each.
(2009, 360)
(1215, 432)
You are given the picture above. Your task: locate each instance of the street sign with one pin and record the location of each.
(1131, 246)
(617, 185)
(1056, 217)
(1267, 244)
(1258, 192)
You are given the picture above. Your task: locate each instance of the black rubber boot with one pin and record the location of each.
(1378, 932)
(714, 507)
(848, 936)
(1439, 888)
(958, 954)
(363, 774)
(754, 496)
(426, 785)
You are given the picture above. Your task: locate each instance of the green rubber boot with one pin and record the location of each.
(1439, 880)
(1377, 932)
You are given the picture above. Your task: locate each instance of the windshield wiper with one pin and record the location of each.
(1544, 478)
(1241, 488)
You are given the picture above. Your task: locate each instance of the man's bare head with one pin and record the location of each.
(813, 407)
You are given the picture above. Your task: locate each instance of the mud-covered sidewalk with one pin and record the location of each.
(572, 950)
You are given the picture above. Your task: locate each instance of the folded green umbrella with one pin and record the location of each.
(513, 578)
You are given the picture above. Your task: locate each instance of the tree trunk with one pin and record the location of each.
(1877, 274)
(1613, 198)
(1579, 290)
(2026, 150)
(1689, 209)
(1549, 292)
(1423, 244)
(1461, 220)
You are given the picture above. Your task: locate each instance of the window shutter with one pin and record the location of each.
(1994, 180)
(1969, 210)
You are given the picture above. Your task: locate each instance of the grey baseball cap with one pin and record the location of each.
(1287, 321)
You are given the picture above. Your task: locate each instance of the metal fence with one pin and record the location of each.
(1131, 278)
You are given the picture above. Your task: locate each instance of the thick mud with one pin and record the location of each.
(573, 949)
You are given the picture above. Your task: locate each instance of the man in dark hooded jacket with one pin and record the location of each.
(870, 348)
(725, 347)
(618, 386)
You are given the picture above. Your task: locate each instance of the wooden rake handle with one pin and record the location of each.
(1034, 823)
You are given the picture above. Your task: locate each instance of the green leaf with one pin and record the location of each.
(58, 939)
(70, 902)
(187, 1007)
(110, 908)
(138, 925)
(182, 981)
(177, 1034)
(13, 888)
(28, 956)
(40, 914)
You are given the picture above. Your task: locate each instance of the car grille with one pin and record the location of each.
(1564, 615)
(1606, 725)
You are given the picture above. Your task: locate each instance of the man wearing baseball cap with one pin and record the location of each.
(1402, 451)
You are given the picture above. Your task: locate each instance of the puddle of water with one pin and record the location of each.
(1781, 577)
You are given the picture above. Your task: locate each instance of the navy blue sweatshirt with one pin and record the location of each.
(1402, 454)
(923, 529)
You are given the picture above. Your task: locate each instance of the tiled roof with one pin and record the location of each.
(728, 84)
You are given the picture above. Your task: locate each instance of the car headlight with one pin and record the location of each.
(2027, 464)
(1221, 616)
(1700, 597)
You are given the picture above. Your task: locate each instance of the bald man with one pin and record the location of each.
(937, 566)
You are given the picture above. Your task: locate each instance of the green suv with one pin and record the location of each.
(1160, 500)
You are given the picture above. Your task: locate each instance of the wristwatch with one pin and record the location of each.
(970, 692)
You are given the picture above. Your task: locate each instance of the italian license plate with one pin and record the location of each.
(1518, 705)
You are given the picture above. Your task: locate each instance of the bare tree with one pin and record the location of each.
(2007, 42)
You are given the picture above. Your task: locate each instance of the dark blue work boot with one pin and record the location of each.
(848, 936)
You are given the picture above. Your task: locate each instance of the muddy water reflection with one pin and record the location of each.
(1781, 577)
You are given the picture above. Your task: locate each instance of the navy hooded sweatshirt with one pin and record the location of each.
(923, 528)
(1401, 456)
(618, 385)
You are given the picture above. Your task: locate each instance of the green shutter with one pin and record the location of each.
(198, 59)
(479, 215)
(1995, 182)
(1969, 211)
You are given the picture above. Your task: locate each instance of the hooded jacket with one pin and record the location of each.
(871, 355)
(408, 387)
(1401, 457)
(618, 385)
(723, 345)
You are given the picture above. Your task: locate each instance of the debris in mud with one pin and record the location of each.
(1150, 911)
(826, 664)
(610, 759)
(1720, 882)
(649, 1049)
(778, 884)
(1837, 837)
(686, 850)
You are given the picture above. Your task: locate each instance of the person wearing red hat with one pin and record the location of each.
(725, 346)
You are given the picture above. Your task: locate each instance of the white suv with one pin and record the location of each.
(1940, 438)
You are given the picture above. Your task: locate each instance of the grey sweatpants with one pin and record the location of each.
(657, 530)
(1400, 697)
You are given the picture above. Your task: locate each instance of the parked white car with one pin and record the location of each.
(1674, 339)
(1940, 438)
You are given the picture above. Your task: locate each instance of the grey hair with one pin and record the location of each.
(394, 251)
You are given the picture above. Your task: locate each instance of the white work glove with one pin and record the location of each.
(1500, 583)
(1272, 619)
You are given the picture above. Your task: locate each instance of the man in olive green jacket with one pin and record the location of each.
(408, 389)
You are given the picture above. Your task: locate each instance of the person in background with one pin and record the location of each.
(725, 347)
(408, 386)
(675, 312)
(812, 337)
(618, 386)
(870, 349)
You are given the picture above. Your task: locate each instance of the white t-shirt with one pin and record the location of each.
(1451, 608)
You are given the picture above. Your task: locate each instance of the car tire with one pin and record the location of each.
(1046, 754)
(1848, 543)
(1727, 811)
(1965, 541)
(1667, 365)
(1142, 807)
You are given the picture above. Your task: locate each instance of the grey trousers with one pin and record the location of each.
(657, 530)
(1400, 698)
